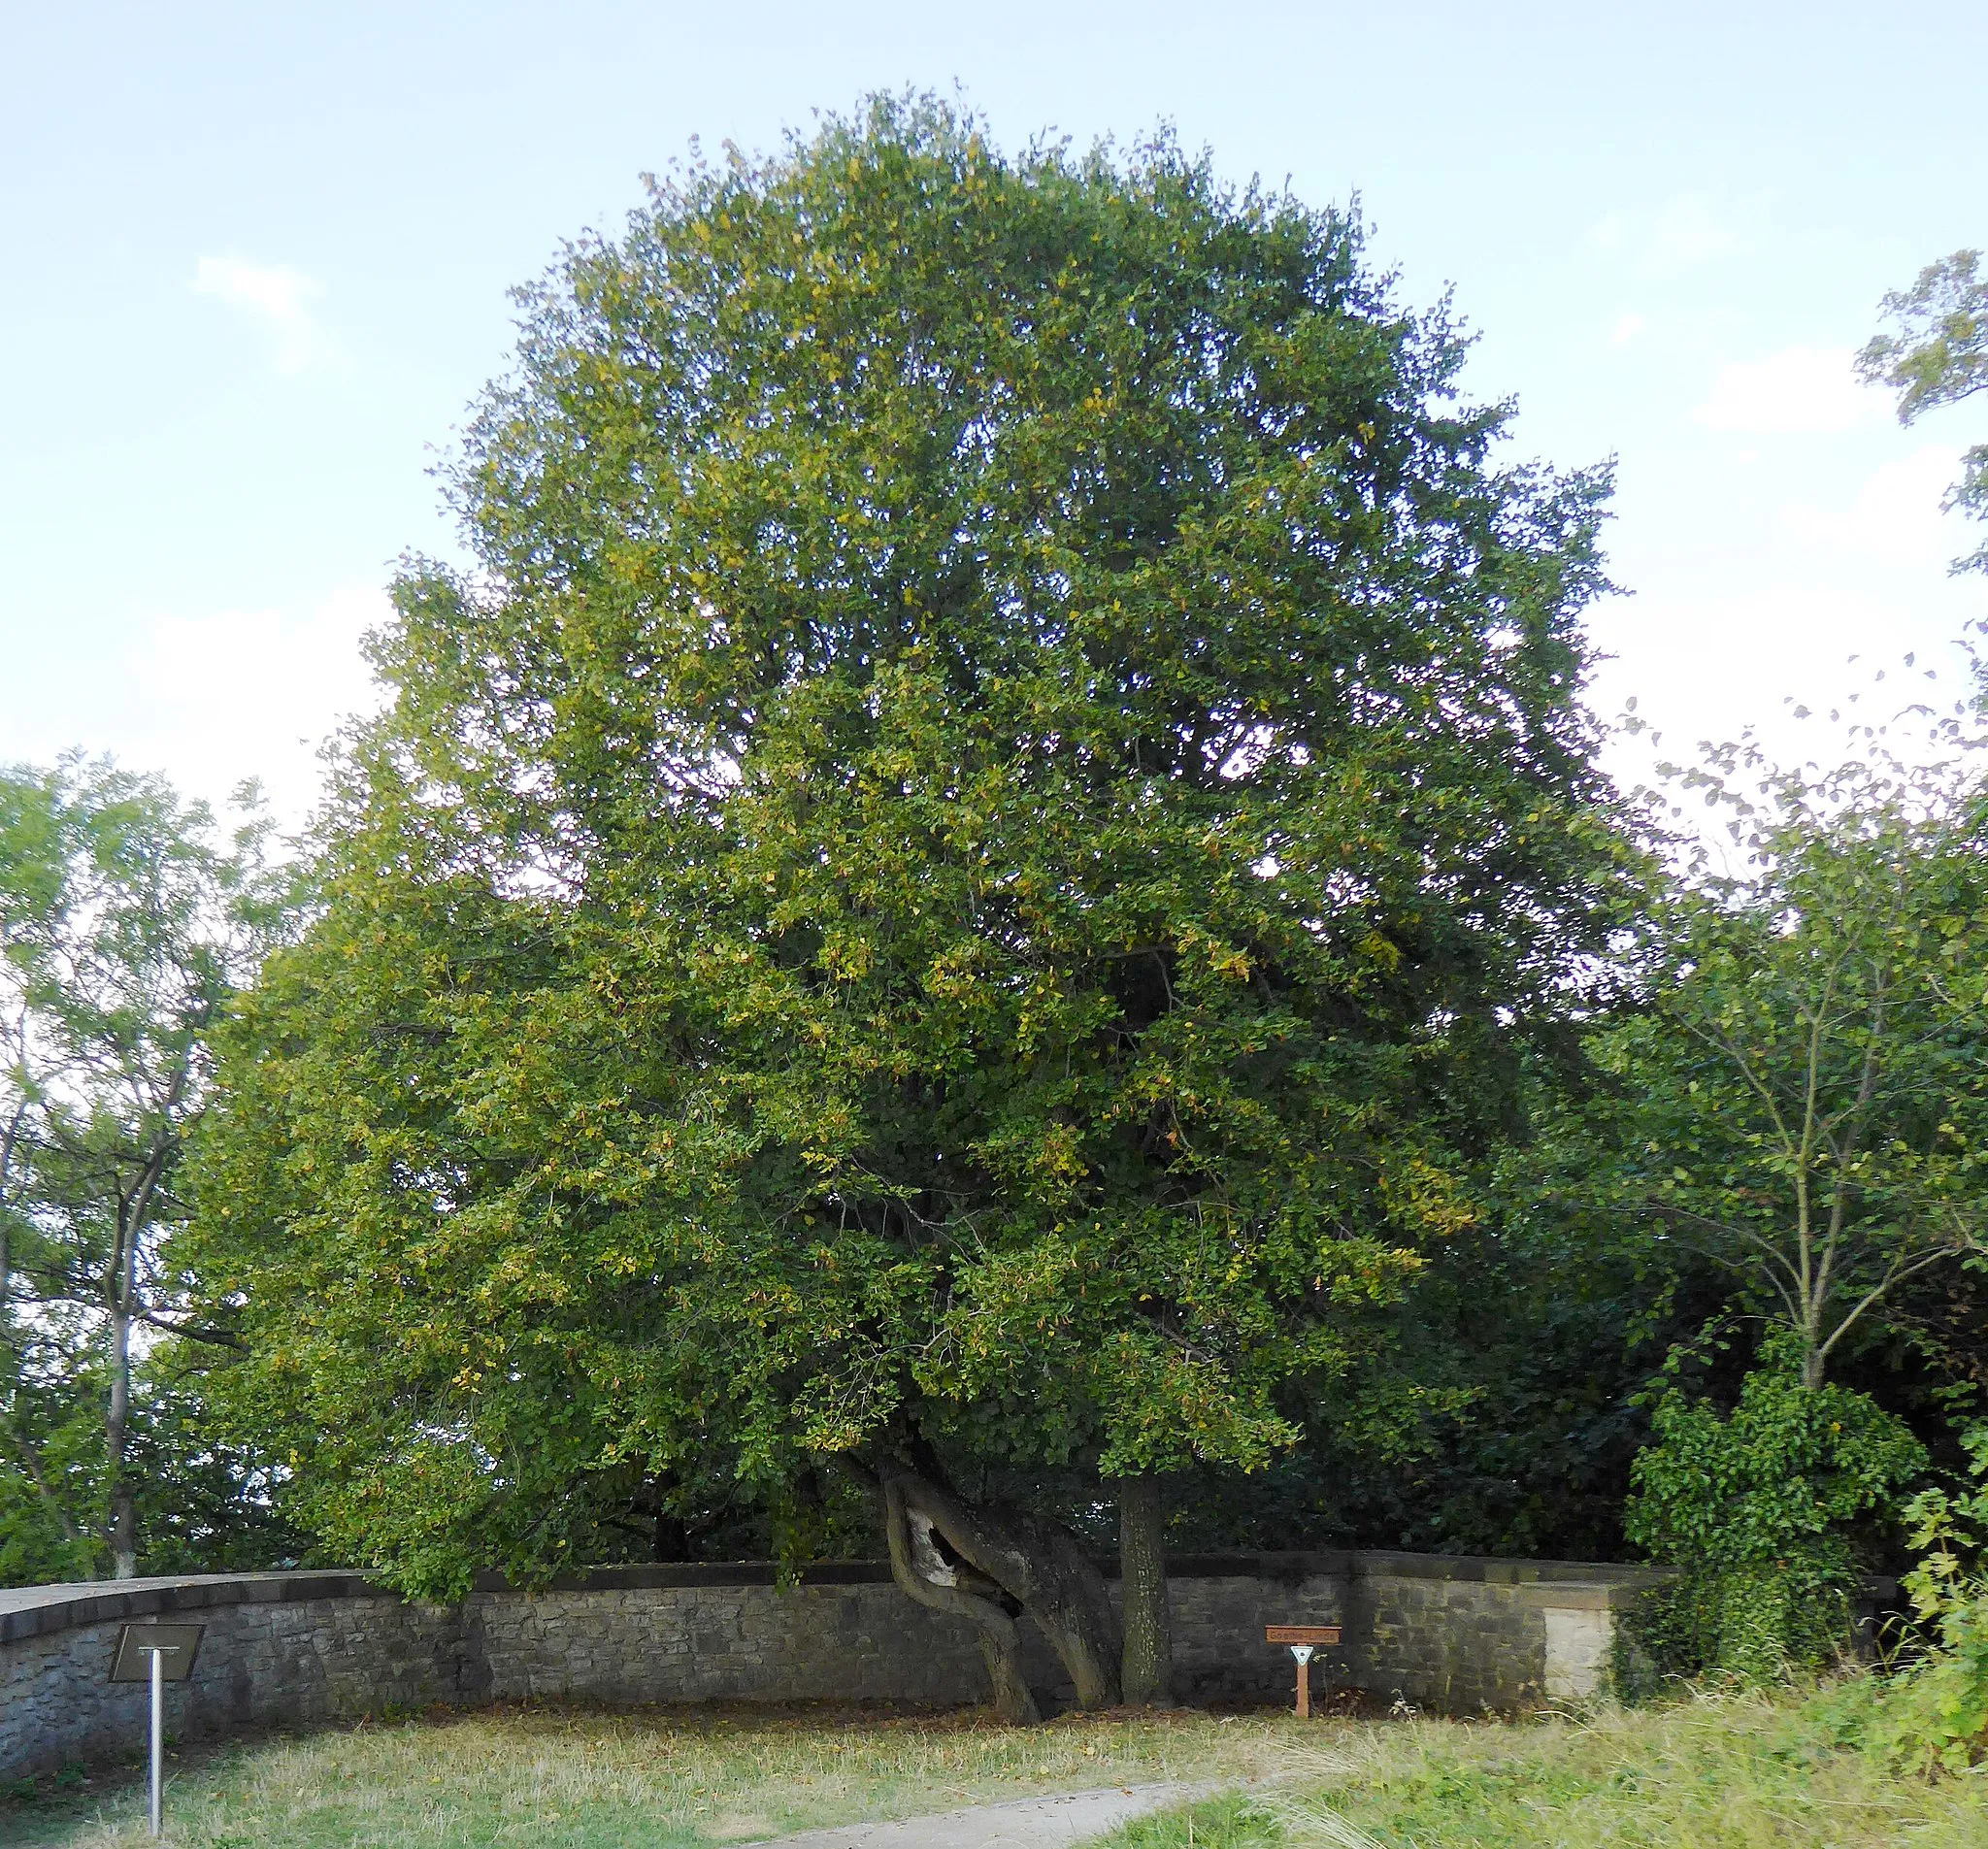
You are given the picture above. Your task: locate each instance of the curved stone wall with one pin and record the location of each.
(304, 1649)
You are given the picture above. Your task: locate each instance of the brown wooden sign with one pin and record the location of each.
(1314, 1634)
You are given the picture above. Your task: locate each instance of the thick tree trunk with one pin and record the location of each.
(1040, 1562)
(1148, 1664)
(922, 1574)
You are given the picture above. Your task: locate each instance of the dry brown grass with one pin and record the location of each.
(662, 1779)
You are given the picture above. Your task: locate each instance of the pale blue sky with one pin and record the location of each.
(255, 262)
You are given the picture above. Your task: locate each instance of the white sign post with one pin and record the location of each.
(159, 1653)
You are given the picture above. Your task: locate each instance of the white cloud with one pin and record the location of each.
(1688, 232)
(1705, 664)
(278, 297)
(1627, 327)
(1896, 516)
(1799, 391)
(217, 699)
(1682, 234)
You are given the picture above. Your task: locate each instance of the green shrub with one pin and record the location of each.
(1934, 1712)
(1754, 1507)
(1756, 1623)
(1945, 1529)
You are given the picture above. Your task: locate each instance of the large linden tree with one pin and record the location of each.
(958, 892)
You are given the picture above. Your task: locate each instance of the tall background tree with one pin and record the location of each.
(1803, 1098)
(1787, 1132)
(124, 927)
(962, 893)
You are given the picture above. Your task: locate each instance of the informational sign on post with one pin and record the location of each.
(1303, 1640)
(159, 1653)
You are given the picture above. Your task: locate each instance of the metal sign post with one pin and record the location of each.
(159, 1653)
(1303, 1640)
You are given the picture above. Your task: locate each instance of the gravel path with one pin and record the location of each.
(1028, 1823)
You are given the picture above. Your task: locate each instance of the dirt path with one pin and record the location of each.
(1028, 1823)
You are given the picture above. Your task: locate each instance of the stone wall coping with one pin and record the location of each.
(33, 1611)
(1560, 1595)
(1377, 1562)
(30, 1611)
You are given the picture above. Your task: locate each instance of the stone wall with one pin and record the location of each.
(302, 1649)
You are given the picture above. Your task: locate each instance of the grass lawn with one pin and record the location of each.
(1704, 1773)
(1708, 1772)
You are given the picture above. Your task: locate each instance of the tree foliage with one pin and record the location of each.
(1939, 356)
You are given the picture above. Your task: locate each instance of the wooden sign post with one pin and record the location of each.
(1303, 1640)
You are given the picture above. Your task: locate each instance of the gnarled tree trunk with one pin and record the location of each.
(906, 1529)
(1038, 1564)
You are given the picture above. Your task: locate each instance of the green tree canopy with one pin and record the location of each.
(960, 884)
